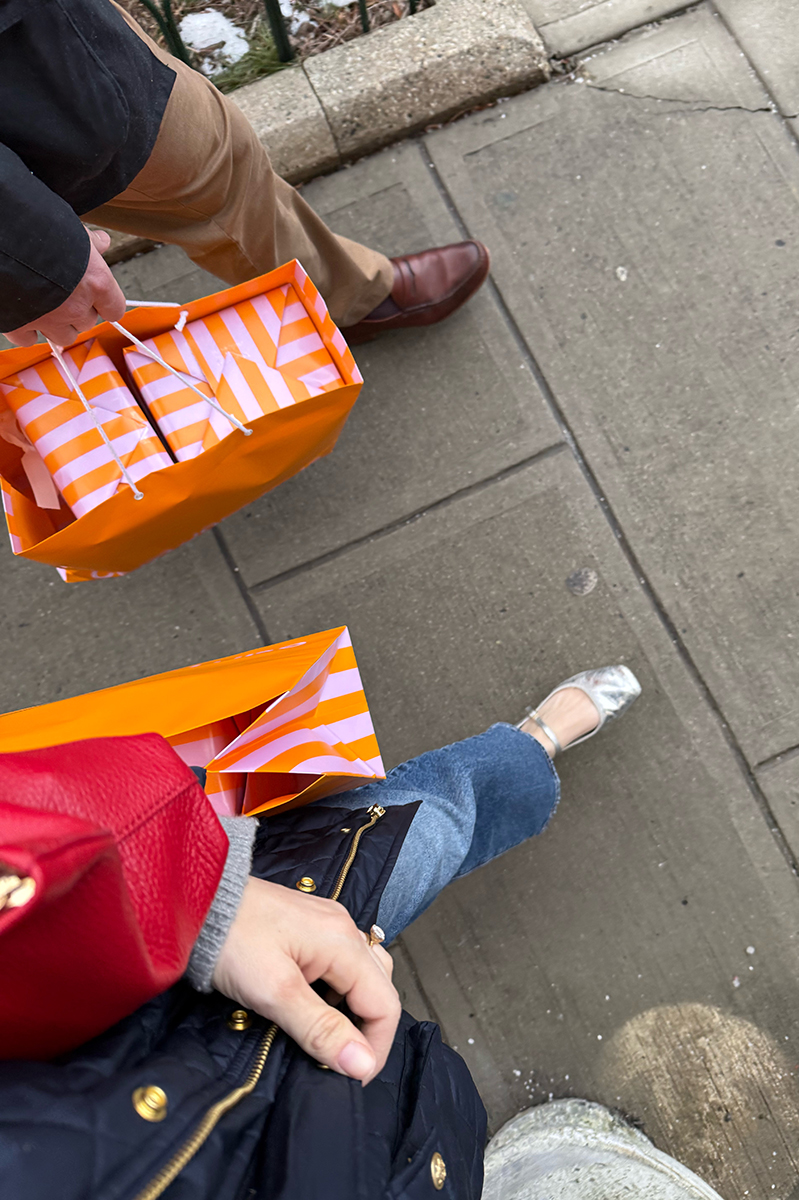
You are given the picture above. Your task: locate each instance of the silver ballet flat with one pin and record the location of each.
(610, 689)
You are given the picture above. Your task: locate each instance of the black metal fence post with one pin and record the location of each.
(277, 23)
(165, 20)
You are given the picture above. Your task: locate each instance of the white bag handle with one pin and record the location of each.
(182, 319)
(62, 362)
(178, 375)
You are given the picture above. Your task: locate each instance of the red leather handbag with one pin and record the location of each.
(110, 854)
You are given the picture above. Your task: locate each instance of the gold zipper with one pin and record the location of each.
(215, 1113)
(375, 813)
(187, 1151)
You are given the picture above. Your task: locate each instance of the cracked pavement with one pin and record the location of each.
(690, 106)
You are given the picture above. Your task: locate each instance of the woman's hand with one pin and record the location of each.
(283, 941)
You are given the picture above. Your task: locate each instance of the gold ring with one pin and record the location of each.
(376, 936)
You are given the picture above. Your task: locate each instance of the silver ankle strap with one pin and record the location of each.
(542, 725)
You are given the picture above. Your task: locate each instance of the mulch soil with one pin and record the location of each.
(327, 26)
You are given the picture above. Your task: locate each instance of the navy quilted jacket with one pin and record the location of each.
(248, 1114)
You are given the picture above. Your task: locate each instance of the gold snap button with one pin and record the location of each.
(150, 1102)
(239, 1020)
(438, 1169)
(306, 884)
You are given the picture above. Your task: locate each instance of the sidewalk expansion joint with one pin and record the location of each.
(252, 608)
(764, 83)
(608, 41)
(776, 760)
(410, 966)
(376, 535)
(647, 587)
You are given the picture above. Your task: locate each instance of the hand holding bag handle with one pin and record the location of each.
(110, 855)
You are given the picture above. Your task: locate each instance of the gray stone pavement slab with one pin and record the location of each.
(691, 61)
(643, 952)
(571, 25)
(626, 924)
(60, 639)
(165, 274)
(441, 408)
(647, 251)
(768, 32)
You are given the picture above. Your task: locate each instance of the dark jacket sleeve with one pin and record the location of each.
(44, 248)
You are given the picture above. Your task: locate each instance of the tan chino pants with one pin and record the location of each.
(209, 187)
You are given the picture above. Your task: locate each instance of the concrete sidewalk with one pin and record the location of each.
(621, 402)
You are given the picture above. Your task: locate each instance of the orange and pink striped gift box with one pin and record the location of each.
(52, 417)
(253, 358)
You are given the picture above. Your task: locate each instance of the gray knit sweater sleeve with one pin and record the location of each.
(241, 835)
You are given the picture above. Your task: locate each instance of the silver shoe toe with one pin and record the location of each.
(611, 690)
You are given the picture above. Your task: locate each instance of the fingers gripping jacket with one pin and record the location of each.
(120, 854)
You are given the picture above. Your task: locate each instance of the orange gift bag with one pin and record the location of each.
(275, 727)
(252, 385)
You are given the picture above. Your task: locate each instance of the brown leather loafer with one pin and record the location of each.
(427, 288)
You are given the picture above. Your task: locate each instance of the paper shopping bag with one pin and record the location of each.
(254, 357)
(183, 499)
(49, 412)
(275, 728)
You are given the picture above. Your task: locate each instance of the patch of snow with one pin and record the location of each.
(297, 17)
(200, 30)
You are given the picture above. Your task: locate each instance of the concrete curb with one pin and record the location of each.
(374, 90)
(387, 85)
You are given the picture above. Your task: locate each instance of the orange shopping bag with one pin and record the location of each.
(275, 727)
(287, 404)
